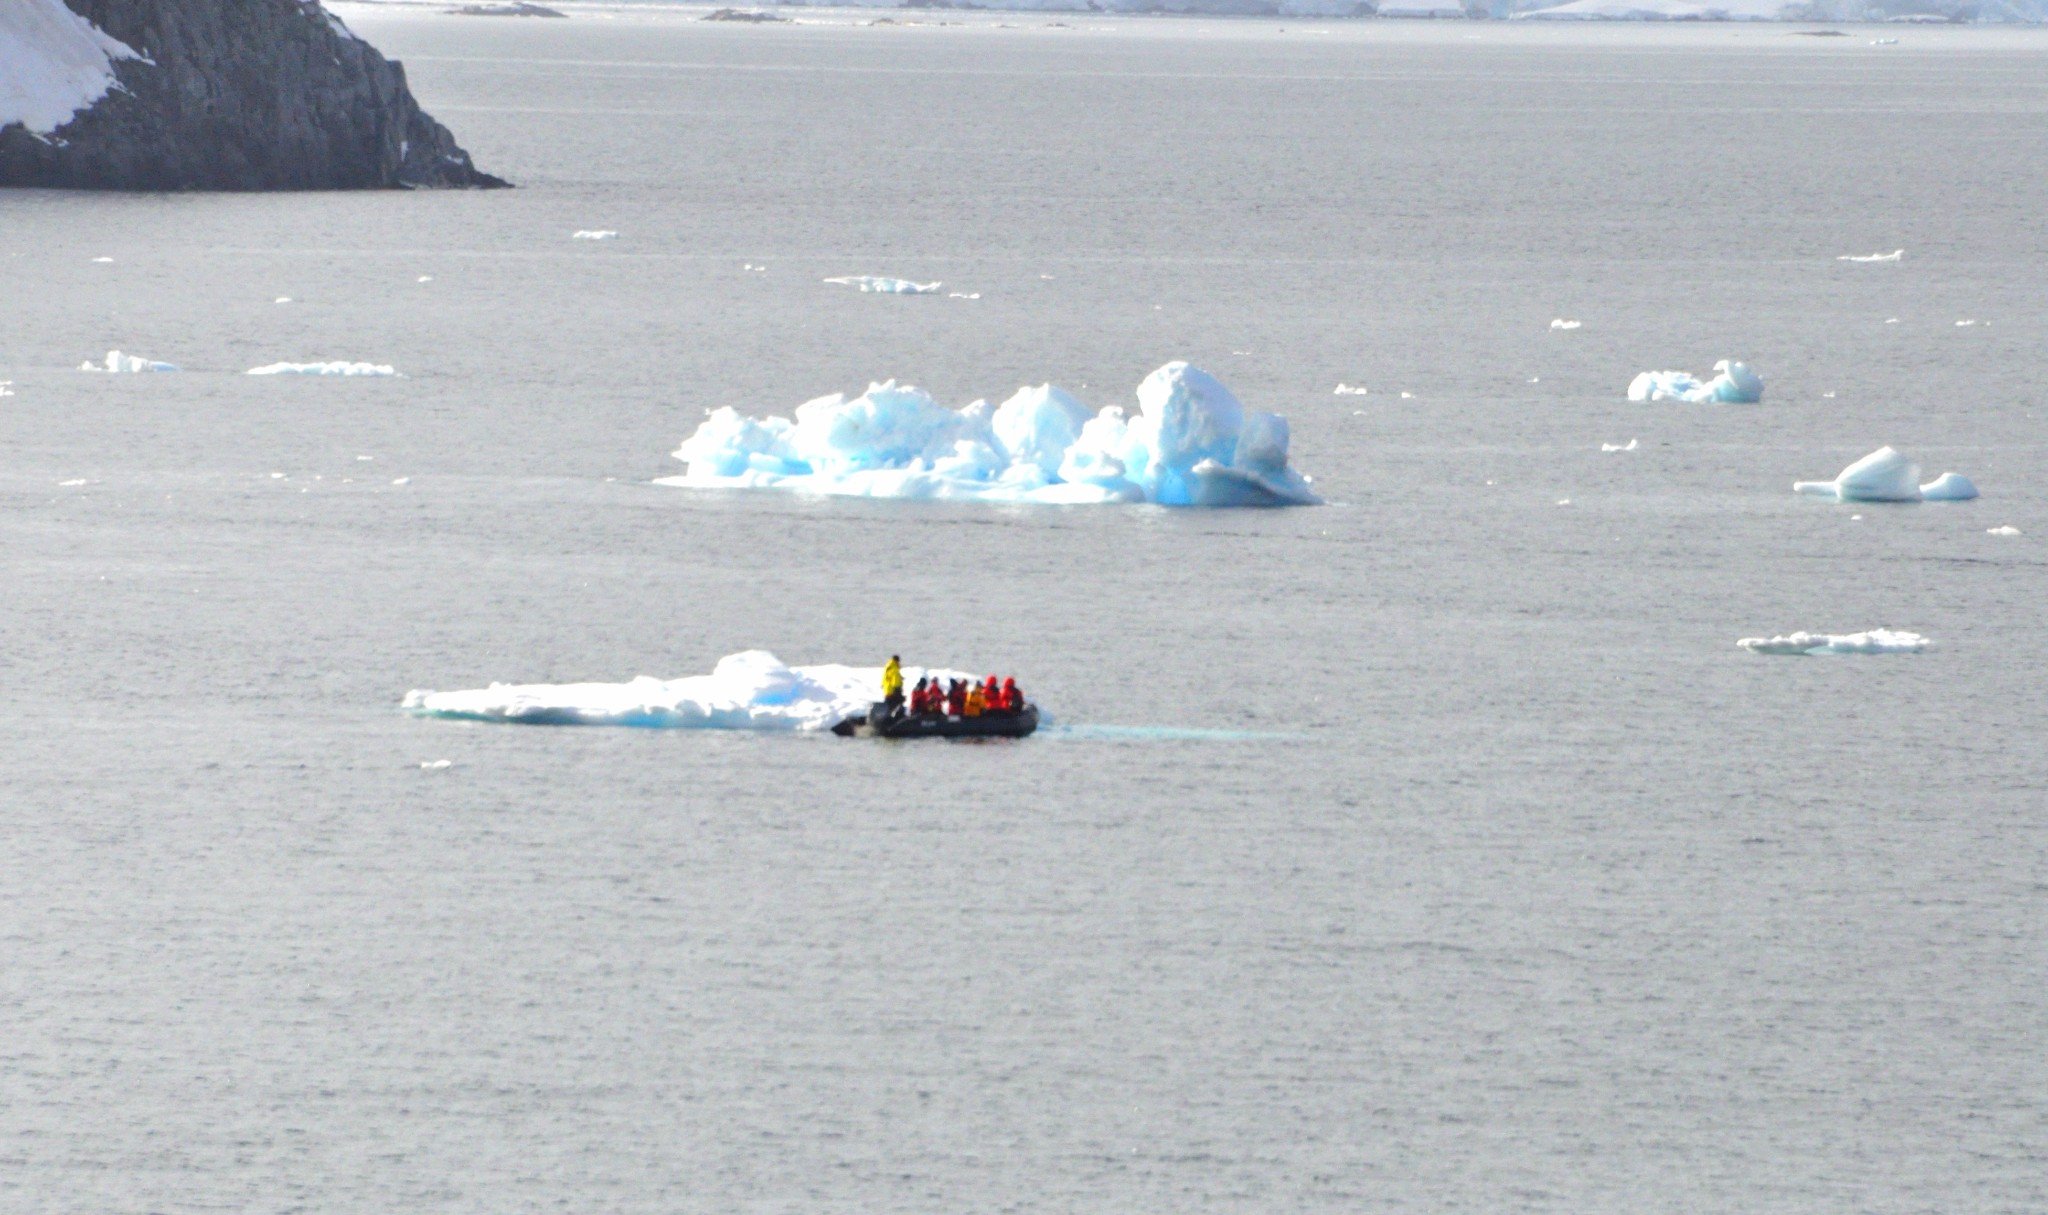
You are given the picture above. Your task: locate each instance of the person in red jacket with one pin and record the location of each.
(956, 698)
(1013, 700)
(992, 692)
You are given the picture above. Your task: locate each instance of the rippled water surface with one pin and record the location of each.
(1433, 850)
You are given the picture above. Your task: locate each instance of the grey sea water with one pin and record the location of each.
(1432, 850)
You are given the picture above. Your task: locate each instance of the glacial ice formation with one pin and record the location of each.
(126, 364)
(886, 286)
(1876, 641)
(336, 368)
(1736, 384)
(1886, 475)
(746, 691)
(1190, 444)
(53, 63)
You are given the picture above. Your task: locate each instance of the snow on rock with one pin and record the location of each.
(747, 691)
(53, 63)
(126, 364)
(594, 234)
(1876, 641)
(375, 369)
(1886, 475)
(1190, 444)
(886, 286)
(1893, 256)
(1736, 384)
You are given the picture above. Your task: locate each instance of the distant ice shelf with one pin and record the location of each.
(1886, 475)
(1191, 444)
(886, 286)
(1875, 641)
(336, 368)
(752, 690)
(1735, 384)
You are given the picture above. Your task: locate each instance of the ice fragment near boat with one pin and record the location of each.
(1735, 384)
(753, 690)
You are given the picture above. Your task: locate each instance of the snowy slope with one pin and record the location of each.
(53, 63)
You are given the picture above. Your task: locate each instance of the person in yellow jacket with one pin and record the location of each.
(892, 682)
(977, 700)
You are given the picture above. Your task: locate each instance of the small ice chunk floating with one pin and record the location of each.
(594, 234)
(1735, 384)
(1886, 475)
(1876, 641)
(875, 284)
(1191, 444)
(127, 364)
(753, 690)
(337, 368)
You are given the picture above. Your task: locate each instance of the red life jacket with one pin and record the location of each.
(1013, 700)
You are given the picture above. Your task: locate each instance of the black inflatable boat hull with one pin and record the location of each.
(933, 725)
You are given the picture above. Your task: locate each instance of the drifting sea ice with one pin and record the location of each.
(1349, 390)
(594, 234)
(886, 286)
(1190, 444)
(747, 691)
(1886, 475)
(1628, 446)
(1893, 256)
(127, 364)
(2005, 530)
(1561, 323)
(375, 369)
(1876, 641)
(1736, 384)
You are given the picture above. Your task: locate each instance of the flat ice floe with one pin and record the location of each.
(338, 368)
(594, 234)
(127, 364)
(1191, 444)
(1736, 384)
(1893, 256)
(1561, 323)
(53, 63)
(886, 286)
(746, 691)
(1886, 475)
(1876, 641)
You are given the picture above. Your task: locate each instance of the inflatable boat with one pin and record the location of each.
(879, 722)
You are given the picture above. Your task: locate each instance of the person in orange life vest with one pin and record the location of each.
(992, 694)
(977, 700)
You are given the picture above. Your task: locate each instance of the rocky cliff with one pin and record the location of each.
(232, 95)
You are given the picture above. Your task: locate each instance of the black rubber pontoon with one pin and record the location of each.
(880, 723)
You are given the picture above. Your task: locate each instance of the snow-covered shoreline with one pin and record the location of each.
(53, 63)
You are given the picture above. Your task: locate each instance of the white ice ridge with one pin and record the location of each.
(1736, 384)
(1628, 446)
(53, 63)
(126, 363)
(1886, 475)
(1561, 323)
(1876, 641)
(886, 286)
(747, 691)
(1349, 390)
(1893, 256)
(594, 234)
(337, 368)
(1190, 444)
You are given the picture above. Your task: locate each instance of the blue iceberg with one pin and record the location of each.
(1191, 443)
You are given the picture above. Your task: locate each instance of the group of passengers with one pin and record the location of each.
(951, 697)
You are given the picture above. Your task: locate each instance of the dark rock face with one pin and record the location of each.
(241, 95)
